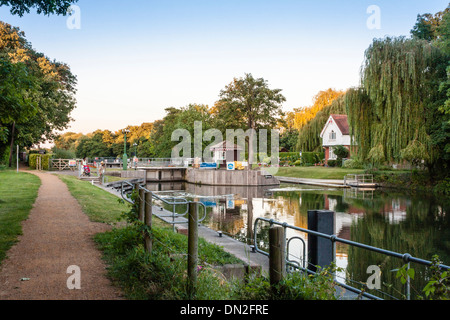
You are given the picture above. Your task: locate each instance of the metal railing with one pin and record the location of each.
(359, 179)
(174, 203)
(407, 258)
(162, 162)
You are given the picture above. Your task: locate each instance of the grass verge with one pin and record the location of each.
(161, 275)
(317, 172)
(97, 204)
(18, 193)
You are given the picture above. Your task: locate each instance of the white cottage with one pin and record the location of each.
(335, 133)
(226, 152)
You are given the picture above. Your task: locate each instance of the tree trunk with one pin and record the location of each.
(12, 144)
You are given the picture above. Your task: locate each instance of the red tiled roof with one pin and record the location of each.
(342, 122)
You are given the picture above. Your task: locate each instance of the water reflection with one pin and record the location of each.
(414, 224)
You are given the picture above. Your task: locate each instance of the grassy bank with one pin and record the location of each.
(142, 276)
(316, 172)
(18, 192)
(97, 204)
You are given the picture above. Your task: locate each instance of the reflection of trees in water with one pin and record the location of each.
(422, 232)
(420, 235)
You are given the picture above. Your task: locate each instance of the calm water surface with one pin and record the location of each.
(392, 220)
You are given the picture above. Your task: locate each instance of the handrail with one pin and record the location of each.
(181, 201)
(407, 258)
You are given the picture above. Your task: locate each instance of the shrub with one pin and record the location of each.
(45, 161)
(311, 158)
(353, 164)
(332, 163)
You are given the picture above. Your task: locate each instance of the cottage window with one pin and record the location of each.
(332, 135)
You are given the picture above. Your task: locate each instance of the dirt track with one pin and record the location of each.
(57, 235)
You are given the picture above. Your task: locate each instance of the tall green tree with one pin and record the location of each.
(47, 7)
(427, 25)
(249, 103)
(38, 94)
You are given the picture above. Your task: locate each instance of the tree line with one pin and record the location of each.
(246, 103)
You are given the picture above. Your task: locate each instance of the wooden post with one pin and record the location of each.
(142, 205)
(192, 248)
(277, 255)
(148, 221)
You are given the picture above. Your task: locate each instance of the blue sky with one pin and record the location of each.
(135, 58)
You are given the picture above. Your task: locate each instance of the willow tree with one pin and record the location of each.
(390, 113)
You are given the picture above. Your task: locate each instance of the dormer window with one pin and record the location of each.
(332, 135)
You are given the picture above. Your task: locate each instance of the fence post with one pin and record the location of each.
(192, 248)
(277, 255)
(321, 251)
(148, 220)
(142, 205)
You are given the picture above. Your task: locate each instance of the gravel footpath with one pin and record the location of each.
(56, 236)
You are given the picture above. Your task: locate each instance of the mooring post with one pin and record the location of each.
(321, 251)
(148, 221)
(192, 248)
(277, 255)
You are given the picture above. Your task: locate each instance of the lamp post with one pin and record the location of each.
(135, 155)
(125, 157)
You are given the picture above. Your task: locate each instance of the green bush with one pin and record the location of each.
(162, 274)
(312, 158)
(443, 187)
(353, 164)
(332, 163)
(45, 161)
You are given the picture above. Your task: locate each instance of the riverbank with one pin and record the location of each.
(414, 181)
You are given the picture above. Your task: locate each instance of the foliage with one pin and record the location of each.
(45, 161)
(289, 139)
(333, 163)
(427, 25)
(321, 100)
(438, 288)
(438, 285)
(248, 103)
(47, 7)
(309, 135)
(37, 94)
(63, 154)
(341, 152)
(294, 286)
(443, 187)
(160, 275)
(353, 163)
(390, 109)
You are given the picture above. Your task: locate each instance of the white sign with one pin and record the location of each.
(231, 166)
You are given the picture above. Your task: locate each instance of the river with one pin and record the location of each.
(417, 224)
